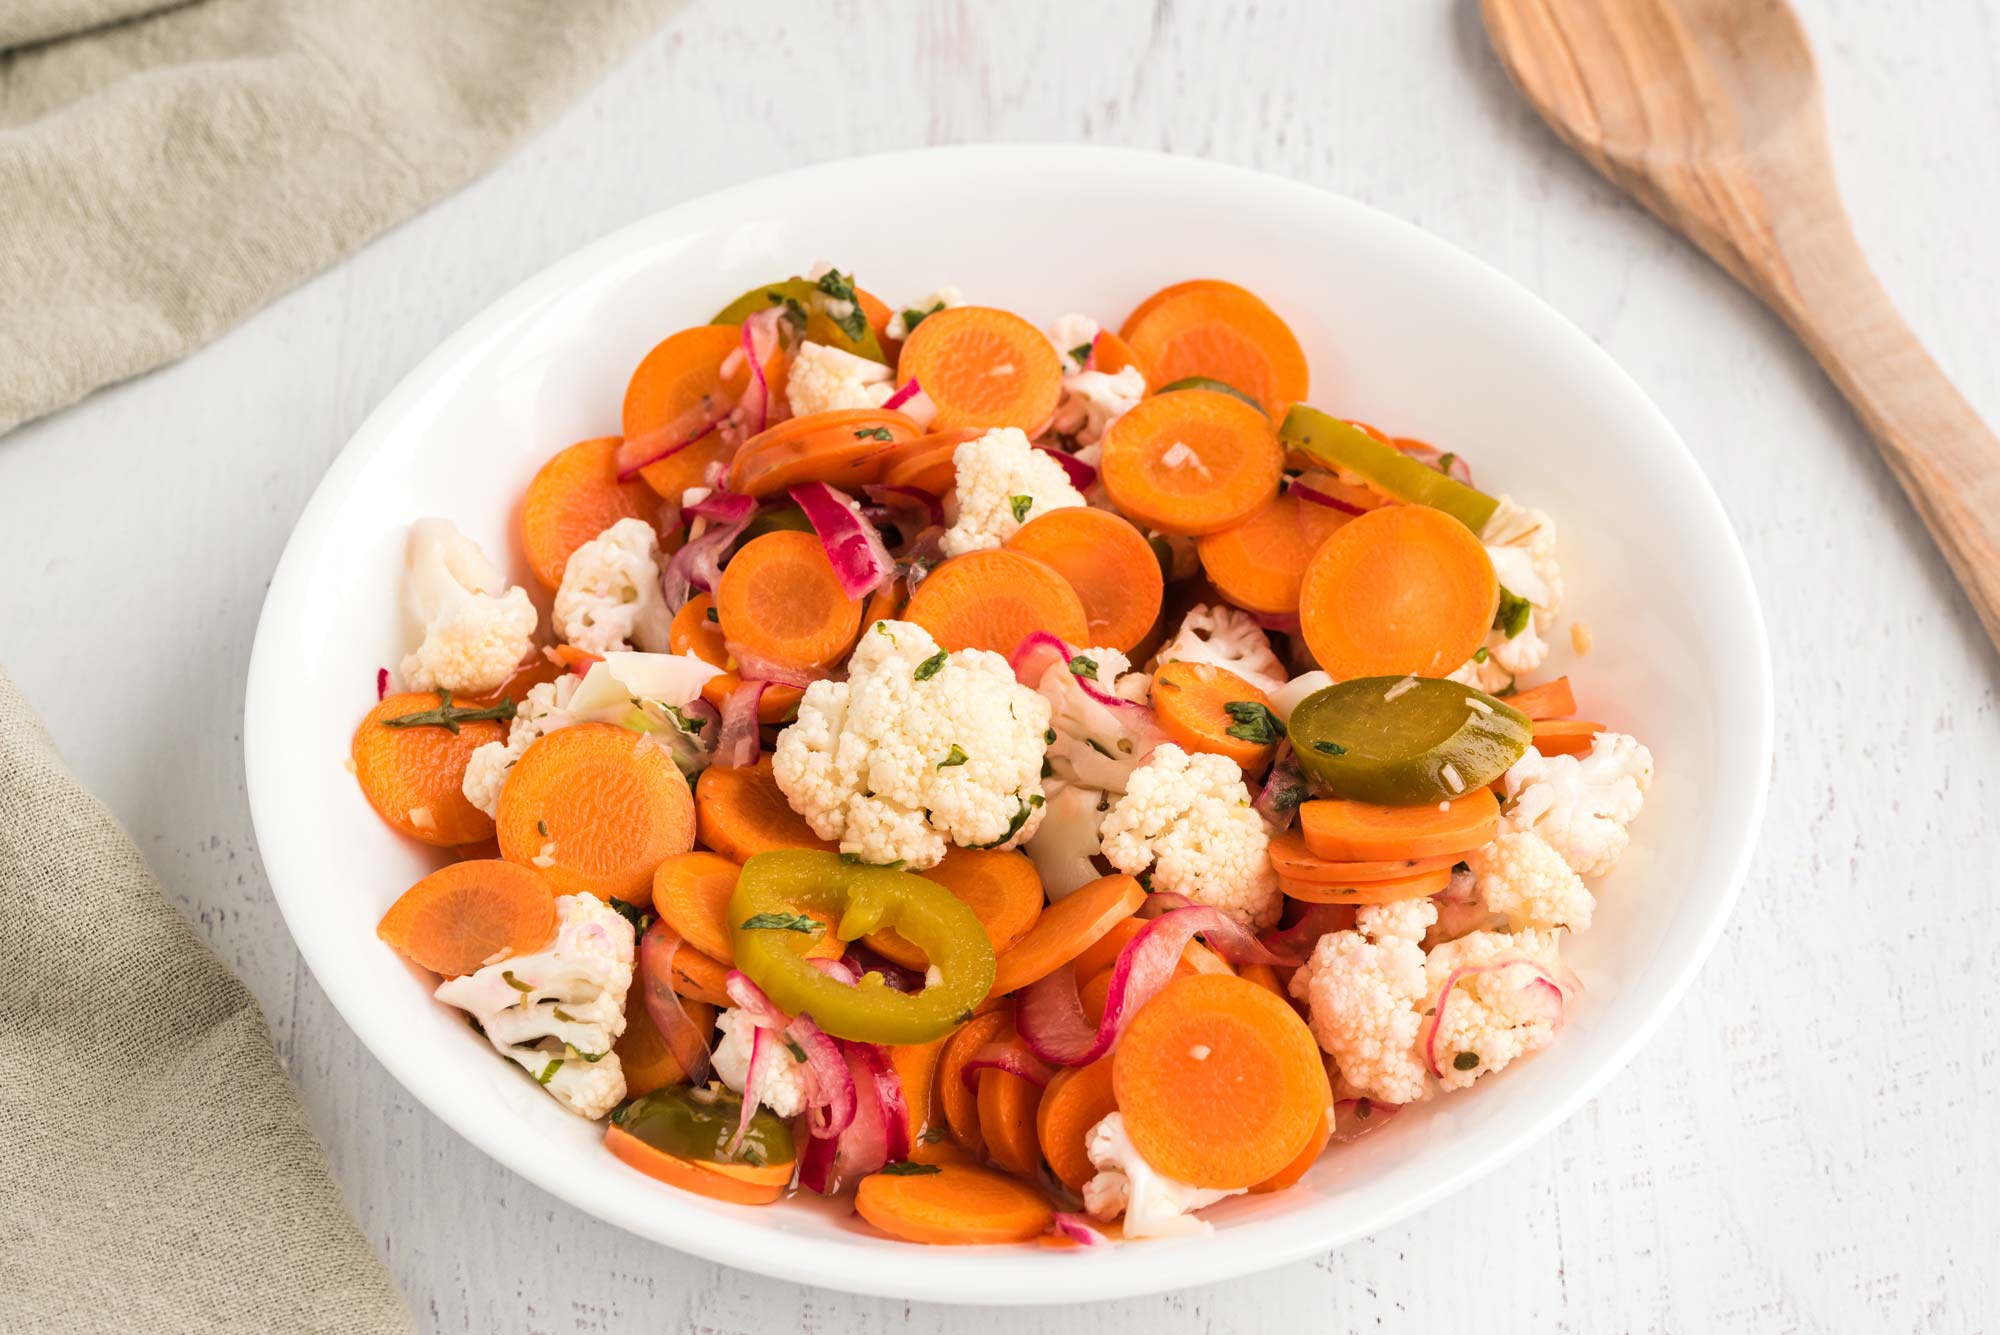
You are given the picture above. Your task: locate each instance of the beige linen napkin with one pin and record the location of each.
(167, 169)
(156, 1172)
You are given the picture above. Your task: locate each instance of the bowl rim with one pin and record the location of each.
(944, 1278)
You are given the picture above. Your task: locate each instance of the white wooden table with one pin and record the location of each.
(1812, 1143)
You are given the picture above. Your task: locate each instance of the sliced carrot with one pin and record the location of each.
(1388, 890)
(1192, 462)
(1365, 831)
(696, 631)
(1221, 333)
(878, 315)
(648, 1062)
(1077, 1099)
(741, 811)
(696, 976)
(959, 1204)
(961, 1107)
(1260, 563)
(575, 497)
(779, 598)
(1111, 354)
(983, 367)
(1001, 887)
(1291, 857)
(413, 776)
(994, 600)
(1566, 736)
(926, 463)
(1095, 994)
(1098, 957)
(532, 673)
(675, 394)
(1265, 976)
(691, 891)
(885, 604)
(1550, 700)
(688, 1174)
(916, 1066)
(1197, 705)
(1219, 1082)
(597, 808)
(465, 914)
(1066, 929)
(1172, 290)
(1006, 1104)
(1108, 562)
(1301, 1163)
(1403, 589)
(843, 448)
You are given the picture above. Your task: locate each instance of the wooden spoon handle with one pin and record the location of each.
(1946, 459)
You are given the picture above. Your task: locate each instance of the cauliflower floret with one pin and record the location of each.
(1068, 839)
(1093, 400)
(823, 378)
(558, 1011)
(909, 317)
(545, 709)
(1363, 989)
(917, 748)
(1000, 483)
(476, 630)
(1522, 878)
(1581, 806)
(1154, 1205)
(1227, 638)
(610, 597)
(1512, 1006)
(1189, 818)
(781, 1083)
(1289, 696)
(1096, 746)
(1071, 335)
(1521, 543)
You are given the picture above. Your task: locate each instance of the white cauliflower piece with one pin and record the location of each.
(821, 379)
(1289, 696)
(1070, 334)
(476, 630)
(781, 1084)
(610, 598)
(1154, 1205)
(1096, 747)
(909, 317)
(1499, 1014)
(1000, 483)
(1521, 543)
(558, 1011)
(1226, 637)
(1363, 990)
(1581, 805)
(545, 709)
(1068, 839)
(1521, 877)
(1092, 400)
(918, 748)
(1189, 818)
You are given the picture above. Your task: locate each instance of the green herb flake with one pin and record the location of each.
(1514, 614)
(874, 433)
(751, 1155)
(691, 726)
(542, 828)
(1330, 748)
(1014, 825)
(781, 922)
(1480, 655)
(712, 616)
(1288, 799)
(913, 317)
(931, 666)
(954, 757)
(1083, 667)
(1049, 737)
(449, 716)
(632, 913)
(798, 1052)
(882, 628)
(549, 1071)
(1020, 505)
(1465, 1061)
(516, 983)
(842, 306)
(1254, 722)
(934, 1134)
(1080, 353)
(907, 1169)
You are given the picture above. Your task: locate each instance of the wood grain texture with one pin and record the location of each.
(1709, 113)
(1809, 1143)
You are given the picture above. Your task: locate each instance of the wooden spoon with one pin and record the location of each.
(1708, 112)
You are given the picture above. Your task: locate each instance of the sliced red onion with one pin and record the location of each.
(816, 1164)
(1284, 788)
(1318, 497)
(1295, 944)
(895, 977)
(854, 547)
(763, 1051)
(829, 1086)
(724, 507)
(1451, 465)
(699, 561)
(709, 717)
(1049, 1014)
(1081, 474)
(1035, 655)
(862, 1146)
(1435, 1020)
(761, 328)
(678, 1031)
(736, 740)
(909, 390)
(923, 554)
(381, 684)
(838, 970)
(895, 1109)
(1355, 1118)
(1286, 623)
(1010, 1057)
(1078, 1229)
(668, 451)
(750, 663)
(896, 496)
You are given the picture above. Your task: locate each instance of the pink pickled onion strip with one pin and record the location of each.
(750, 663)
(889, 1096)
(678, 1032)
(759, 328)
(909, 390)
(1354, 1118)
(746, 995)
(896, 496)
(1081, 474)
(1451, 465)
(853, 545)
(724, 507)
(1284, 788)
(863, 1143)
(698, 564)
(736, 741)
(921, 555)
(1318, 497)
(1463, 888)
(1078, 1229)
(1295, 943)
(895, 977)
(816, 1164)
(1285, 623)
(669, 451)
(829, 1086)
(1035, 654)
(1435, 1020)
(381, 684)
(1011, 1058)
(1049, 1014)
(838, 970)
(763, 1050)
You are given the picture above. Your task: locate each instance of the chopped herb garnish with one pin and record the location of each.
(1330, 748)
(882, 628)
(1083, 667)
(798, 1052)
(1289, 798)
(712, 616)
(1465, 1061)
(1480, 655)
(842, 306)
(542, 828)
(1014, 825)
(931, 666)
(751, 1155)
(1514, 614)
(1080, 353)
(874, 433)
(913, 317)
(1364, 1109)
(1020, 505)
(1254, 722)
(955, 756)
(933, 1134)
(907, 1169)
(1049, 736)
(448, 715)
(632, 913)
(685, 723)
(549, 1071)
(781, 922)
(516, 983)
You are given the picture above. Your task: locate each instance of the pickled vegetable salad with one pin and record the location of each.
(1041, 783)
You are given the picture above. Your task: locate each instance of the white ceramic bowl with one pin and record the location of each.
(1402, 330)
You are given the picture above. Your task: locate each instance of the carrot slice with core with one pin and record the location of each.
(597, 808)
(1220, 332)
(958, 1204)
(691, 1175)
(675, 395)
(575, 497)
(1388, 890)
(984, 368)
(696, 631)
(1219, 1081)
(1066, 928)
(1260, 563)
(779, 598)
(740, 812)
(691, 891)
(413, 777)
(1291, 857)
(961, 1109)
(843, 448)
(1342, 830)
(1403, 589)
(1193, 702)
(1077, 1099)
(695, 975)
(1001, 887)
(460, 916)
(648, 1062)
(1550, 700)
(1108, 562)
(994, 600)
(1192, 462)
(1006, 1105)
(1566, 736)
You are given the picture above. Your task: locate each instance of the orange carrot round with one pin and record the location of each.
(1386, 890)
(779, 598)
(926, 463)
(916, 1066)
(1403, 589)
(1108, 562)
(843, 448)
(691, 892)
(696, 976)
(1214, 286)
(1290, 856)
(1342, 830)
(1001, 887)
(994, 600)
(1302, 1162)
(597, 808)
(983, 368)
(1565, 736)
(696, 631)
(1219, 1082)
(1065, 929)
(1260, 563)
(690, 1175)
(1006, 1105)
(462, 915)
(1550, 700)
(1220, 332)
(648, 1062)
(1077, 1099)
(575, 497)
(741, 811)
(1198, 705)
(961, 1108)
(1112, 354)
(677, 393)
(1192, 462)
(958, 1204)
(413, 776)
